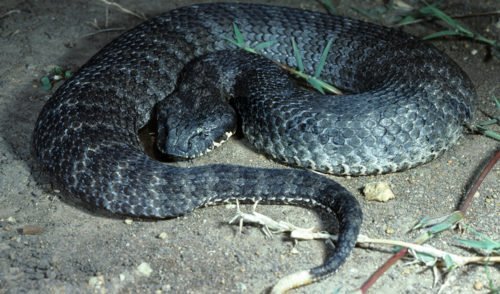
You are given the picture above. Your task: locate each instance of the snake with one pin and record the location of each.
(404, 103)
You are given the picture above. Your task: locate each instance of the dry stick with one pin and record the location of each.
(381, 270)
(463, 208)
(470, 195)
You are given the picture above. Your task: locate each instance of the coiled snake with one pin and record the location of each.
(405, 104)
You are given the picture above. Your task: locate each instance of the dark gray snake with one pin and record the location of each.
(406, 103)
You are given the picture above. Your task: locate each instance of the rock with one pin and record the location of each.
(144, 269)
(378, 191)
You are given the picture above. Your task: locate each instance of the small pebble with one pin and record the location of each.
(51, 275)
(43, 264)
(144, 269)
(478, 285)
(96, 282)
(378, 191)
(128, 221)
(31, 230)
(162, 236)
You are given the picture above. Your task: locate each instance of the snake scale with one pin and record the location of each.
(405, 103)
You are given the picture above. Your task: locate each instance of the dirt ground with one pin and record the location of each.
(79, 249)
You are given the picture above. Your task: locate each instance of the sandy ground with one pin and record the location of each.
(82, 250)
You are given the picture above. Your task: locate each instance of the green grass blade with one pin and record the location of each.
(315, 83)
(426, 259)
(487, 245)
(298, 56)
(438, 13)
(488, 122)
(238, 35)
(329, 6)
(239, 41)
(437, 225)
(68, 74)
(232, 41)
(46, 84)
(407, 20)
(322, 59)
(449, 263)
(491, 134)
(264, 45)
(441, 34)
(485, 242)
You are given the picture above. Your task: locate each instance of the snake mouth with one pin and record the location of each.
(197, 145)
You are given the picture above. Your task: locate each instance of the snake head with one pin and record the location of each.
(187, 132)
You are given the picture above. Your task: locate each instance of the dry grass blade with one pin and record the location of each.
(10, 12)
(123, 9)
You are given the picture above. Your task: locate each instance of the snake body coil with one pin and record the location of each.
(406, 103)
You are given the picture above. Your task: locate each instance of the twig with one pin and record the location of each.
(272, 226)
(457, 259)
(463, 208)
(486, 170)
(381, 270)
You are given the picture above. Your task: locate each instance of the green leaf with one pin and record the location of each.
(298, 56)
(238, 40)
(322, 59)
(409, 19)
(424, 222)
(427, 259)
(238, 35)
(448, 222)
(329, 6)
(57, 70)
(264, 45)
(438, 13)
(487, 132)
(492, 134)
(46, 85)
(487, 245)
(450, 264)
(232, 41)
(436, 225)
(316, 84)
(67, 74)
(489, 122)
